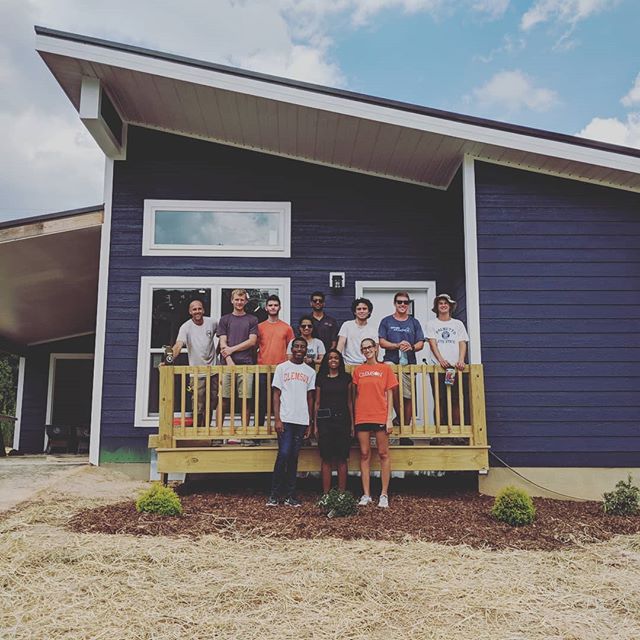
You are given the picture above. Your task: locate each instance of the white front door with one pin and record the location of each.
(422, 294)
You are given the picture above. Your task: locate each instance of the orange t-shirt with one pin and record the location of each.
(373, 381)
(273, 338)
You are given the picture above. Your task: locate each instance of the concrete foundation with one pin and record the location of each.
(572, 483)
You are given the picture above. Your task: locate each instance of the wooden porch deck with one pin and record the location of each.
(437, 444)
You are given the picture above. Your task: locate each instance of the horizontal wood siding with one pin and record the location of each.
(371, 228)
(36, 381)
(559, 265)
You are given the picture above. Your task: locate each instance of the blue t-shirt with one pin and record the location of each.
(398, 330)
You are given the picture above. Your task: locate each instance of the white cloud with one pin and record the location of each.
(614, 131)
(493, 9)
(633, 97)
(563, 11)
(363, 10)
(49, 162)
(510, 45)
(514, 90)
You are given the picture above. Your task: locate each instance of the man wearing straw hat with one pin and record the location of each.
(198, 335)
(448, 342)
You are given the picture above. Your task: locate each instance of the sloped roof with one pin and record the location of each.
(318, 124)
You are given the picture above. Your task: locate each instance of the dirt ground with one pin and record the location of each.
(263, 574)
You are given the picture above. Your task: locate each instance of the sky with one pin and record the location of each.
(571, 66)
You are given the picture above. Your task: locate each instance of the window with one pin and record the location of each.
(164, 303)
(216, 228)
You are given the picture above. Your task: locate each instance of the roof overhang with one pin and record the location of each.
(297, 120)
(49, 272)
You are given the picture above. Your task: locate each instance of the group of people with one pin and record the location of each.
(329, 405)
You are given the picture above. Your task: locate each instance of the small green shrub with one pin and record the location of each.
(514, 506)
(159, 499)
(624, 500)
(338, 503)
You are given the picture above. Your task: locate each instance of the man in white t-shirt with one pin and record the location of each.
(448, 341)
(198, 335)
(293, 384)
(353, 332)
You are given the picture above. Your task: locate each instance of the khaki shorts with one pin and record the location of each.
(244, 385)
(202, 395)
(406, 382)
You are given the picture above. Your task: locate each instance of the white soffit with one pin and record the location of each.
(301, 123)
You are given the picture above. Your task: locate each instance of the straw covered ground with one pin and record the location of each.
(58, 583)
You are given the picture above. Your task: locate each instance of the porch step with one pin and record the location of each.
(239, 459)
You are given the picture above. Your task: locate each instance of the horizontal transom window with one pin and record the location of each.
(217, 228)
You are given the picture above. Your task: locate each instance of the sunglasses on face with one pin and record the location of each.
(367, 348)
(306, 326)
(403, 301)
(317, 300)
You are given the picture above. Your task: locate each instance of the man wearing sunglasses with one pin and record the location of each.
(325, 327)
(401, 336)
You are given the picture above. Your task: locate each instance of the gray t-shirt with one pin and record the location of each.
(238, 329)
(200, 341)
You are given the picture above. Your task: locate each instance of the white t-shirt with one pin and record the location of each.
(314, 348)
(355, 334)
(294, 381)
(447, 334)
(199, 340)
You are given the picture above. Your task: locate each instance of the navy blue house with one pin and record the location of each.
(536, 234)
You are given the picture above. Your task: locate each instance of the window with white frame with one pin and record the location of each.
(164, 303)
(216, 228)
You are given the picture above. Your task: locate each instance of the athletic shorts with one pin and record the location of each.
(369, 426)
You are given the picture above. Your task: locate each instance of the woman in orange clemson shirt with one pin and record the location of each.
(373, 383)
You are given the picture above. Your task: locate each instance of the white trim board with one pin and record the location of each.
(336, 104)
(19, 397)
(101, 317)
(472, 280)
(149, 283)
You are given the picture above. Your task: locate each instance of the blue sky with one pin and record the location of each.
(571, 66)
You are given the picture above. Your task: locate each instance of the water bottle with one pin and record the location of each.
(403, 358)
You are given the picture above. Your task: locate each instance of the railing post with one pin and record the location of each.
(477, 404)
(165, 422)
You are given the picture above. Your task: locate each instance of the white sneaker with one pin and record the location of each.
(364, 501)
(383, 502)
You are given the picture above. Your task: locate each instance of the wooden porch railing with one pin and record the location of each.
(179, 386)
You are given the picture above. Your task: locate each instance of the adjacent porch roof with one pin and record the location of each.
(49, 273)
(317, 124)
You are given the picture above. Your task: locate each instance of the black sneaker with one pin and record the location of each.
(272, 502)
(292, 502)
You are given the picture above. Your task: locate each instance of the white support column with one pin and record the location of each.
(16, 429)
(101, 317)
(471, 258)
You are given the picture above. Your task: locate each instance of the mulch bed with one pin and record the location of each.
(424, 511)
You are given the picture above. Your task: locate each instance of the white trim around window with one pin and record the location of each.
(150, 283)
(273, 242)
